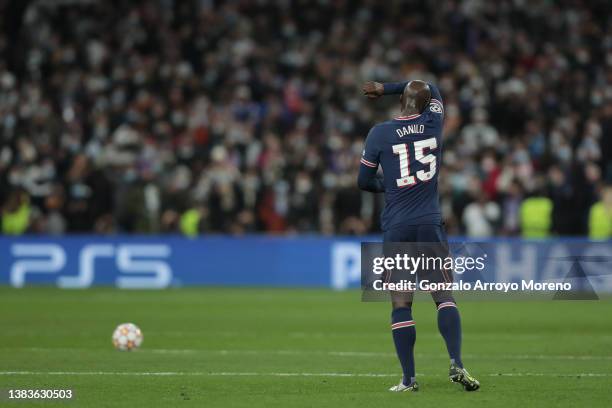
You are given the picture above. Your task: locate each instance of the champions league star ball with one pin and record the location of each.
(127, 337)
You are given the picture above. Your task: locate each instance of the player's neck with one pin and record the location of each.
(409, 112)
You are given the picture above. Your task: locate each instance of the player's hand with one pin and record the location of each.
(373, 89)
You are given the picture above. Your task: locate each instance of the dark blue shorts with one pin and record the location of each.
(416, 233)
(427, 240)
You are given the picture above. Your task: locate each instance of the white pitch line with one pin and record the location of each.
(380, 354)
(549, 375)
(501, 336)
(196, 373)
(538, 357)
(338, 353)
(275, 352)
(275, 374)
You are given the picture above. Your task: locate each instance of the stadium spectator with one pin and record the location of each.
(126, 116)
(600, 216)
(16, 213)
(536, 216)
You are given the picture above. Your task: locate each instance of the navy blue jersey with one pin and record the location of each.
(409, 151)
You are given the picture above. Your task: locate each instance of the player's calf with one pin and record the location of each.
(404, 336)
(449, 325)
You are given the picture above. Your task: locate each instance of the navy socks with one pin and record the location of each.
(449, 324)
(404, 337)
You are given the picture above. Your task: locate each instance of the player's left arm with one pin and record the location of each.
(435, 104)
(368, 180)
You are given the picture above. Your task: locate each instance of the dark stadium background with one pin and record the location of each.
(203, 117)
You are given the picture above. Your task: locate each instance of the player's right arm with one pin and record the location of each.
(368, 180)
(375, 89)
(394, 88)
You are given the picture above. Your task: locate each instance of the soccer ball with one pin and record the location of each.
(127, 337)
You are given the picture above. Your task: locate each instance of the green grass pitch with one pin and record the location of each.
(216, 347)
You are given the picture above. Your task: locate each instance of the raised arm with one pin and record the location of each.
(435, 95)
(394, 88)
(374, 90)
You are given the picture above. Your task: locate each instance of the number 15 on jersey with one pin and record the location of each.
(420, 148)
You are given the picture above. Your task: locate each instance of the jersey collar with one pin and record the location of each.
(409, 117)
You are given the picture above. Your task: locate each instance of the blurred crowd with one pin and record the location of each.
(246, 116)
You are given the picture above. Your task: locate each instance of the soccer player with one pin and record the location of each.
(408, 148)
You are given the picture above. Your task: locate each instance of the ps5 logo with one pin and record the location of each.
(345, 265)
(139, 265)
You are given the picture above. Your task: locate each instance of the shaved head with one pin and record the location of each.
(415, 98)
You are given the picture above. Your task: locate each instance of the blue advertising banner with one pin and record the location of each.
(305, 261)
